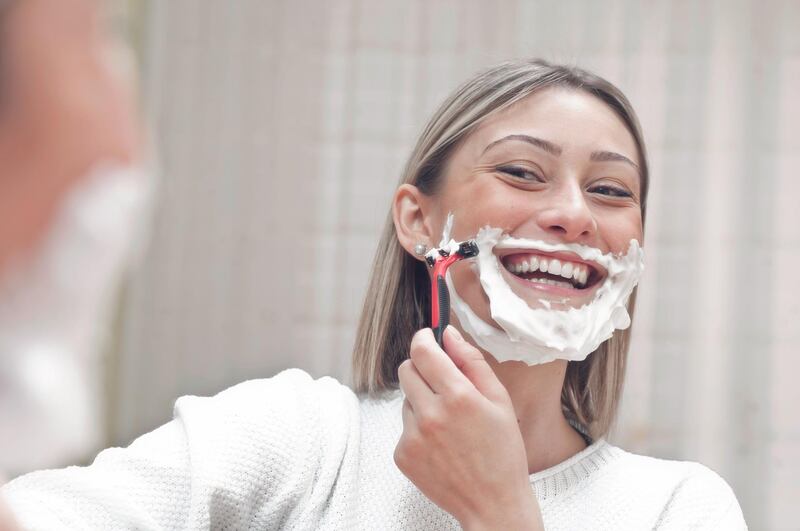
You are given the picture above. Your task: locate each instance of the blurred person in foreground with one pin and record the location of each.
(71, 197)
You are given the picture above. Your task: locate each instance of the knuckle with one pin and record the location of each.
(415, 340)
(404, 368)
(406, 452)
(400, 456)
(416, 351)
(430, 423)
(419, 340)
(459, 399)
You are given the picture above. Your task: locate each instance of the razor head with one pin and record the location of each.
(453, 253)
(468, 249)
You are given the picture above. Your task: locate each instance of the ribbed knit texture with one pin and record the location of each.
(291, 452)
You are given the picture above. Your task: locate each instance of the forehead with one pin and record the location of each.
(573, 119)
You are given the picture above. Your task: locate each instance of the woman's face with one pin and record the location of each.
(558, 166)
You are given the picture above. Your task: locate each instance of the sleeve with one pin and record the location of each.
(244, 458)
(144, 486)
(702, 501)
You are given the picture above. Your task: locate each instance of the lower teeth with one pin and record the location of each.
(552, 282)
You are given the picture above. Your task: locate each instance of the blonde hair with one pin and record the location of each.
(398, 293)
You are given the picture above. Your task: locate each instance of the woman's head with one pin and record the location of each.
(542, 151)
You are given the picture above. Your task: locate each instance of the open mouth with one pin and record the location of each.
(562, 270)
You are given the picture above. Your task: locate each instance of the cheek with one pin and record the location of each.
(487, 204)
(619, 228)
(483, 203)
(468, 286)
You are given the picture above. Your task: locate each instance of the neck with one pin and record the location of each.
(536, 394)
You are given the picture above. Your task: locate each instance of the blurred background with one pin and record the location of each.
(280, 130)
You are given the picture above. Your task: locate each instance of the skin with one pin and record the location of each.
(62, 110)
(460, 402)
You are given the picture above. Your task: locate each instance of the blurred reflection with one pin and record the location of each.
(71, 199)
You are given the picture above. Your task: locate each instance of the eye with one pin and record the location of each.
(611, 191)
(519, 172)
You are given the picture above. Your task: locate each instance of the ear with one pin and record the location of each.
(410, 210)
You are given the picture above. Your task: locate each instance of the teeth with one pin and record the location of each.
(551, 282)
(566, 270)
(578, 273)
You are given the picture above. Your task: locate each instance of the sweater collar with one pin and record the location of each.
(568, 474)
(560, 478)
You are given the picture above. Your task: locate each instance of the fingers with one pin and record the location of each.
(453, 372)
(433, 364)
(412, 384)
(470, 361)
(408, 415)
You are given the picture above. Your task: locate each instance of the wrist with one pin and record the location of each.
(521, 516)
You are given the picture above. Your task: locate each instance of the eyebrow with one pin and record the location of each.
(604, 156)
(538, 142)
(555, 150)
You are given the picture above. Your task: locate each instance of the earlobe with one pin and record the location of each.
(409, 210)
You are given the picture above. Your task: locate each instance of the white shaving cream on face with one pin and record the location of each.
(541, 335)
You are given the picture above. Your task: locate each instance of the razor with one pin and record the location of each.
(440, 260)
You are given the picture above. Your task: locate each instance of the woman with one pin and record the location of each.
(545, 166)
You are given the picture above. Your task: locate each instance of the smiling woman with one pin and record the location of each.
(545, 167)
(553, 150)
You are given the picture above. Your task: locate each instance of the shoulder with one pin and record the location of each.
(703, 499)
(692, 495)
(268, 430)
(673, 474)
(291, 394)
(260, 447)
(243, 458)
(291, 382)
(288, 409)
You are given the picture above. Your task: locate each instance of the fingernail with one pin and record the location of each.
(455, 332)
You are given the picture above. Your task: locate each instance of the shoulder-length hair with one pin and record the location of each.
(398, 294)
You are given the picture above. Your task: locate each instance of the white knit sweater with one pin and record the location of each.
(291, 452)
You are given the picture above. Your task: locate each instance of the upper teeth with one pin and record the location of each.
(569, 270)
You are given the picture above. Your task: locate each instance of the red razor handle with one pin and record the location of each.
(440, 296)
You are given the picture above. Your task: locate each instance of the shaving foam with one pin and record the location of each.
(541, 335)
(446, 243)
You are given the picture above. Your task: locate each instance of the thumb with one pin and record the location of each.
(473, 365)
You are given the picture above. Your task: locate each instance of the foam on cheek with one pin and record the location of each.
(448, 228)
(540, 335)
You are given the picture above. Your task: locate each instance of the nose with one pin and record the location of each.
(566, 214)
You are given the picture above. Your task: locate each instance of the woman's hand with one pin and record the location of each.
(461, 445)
